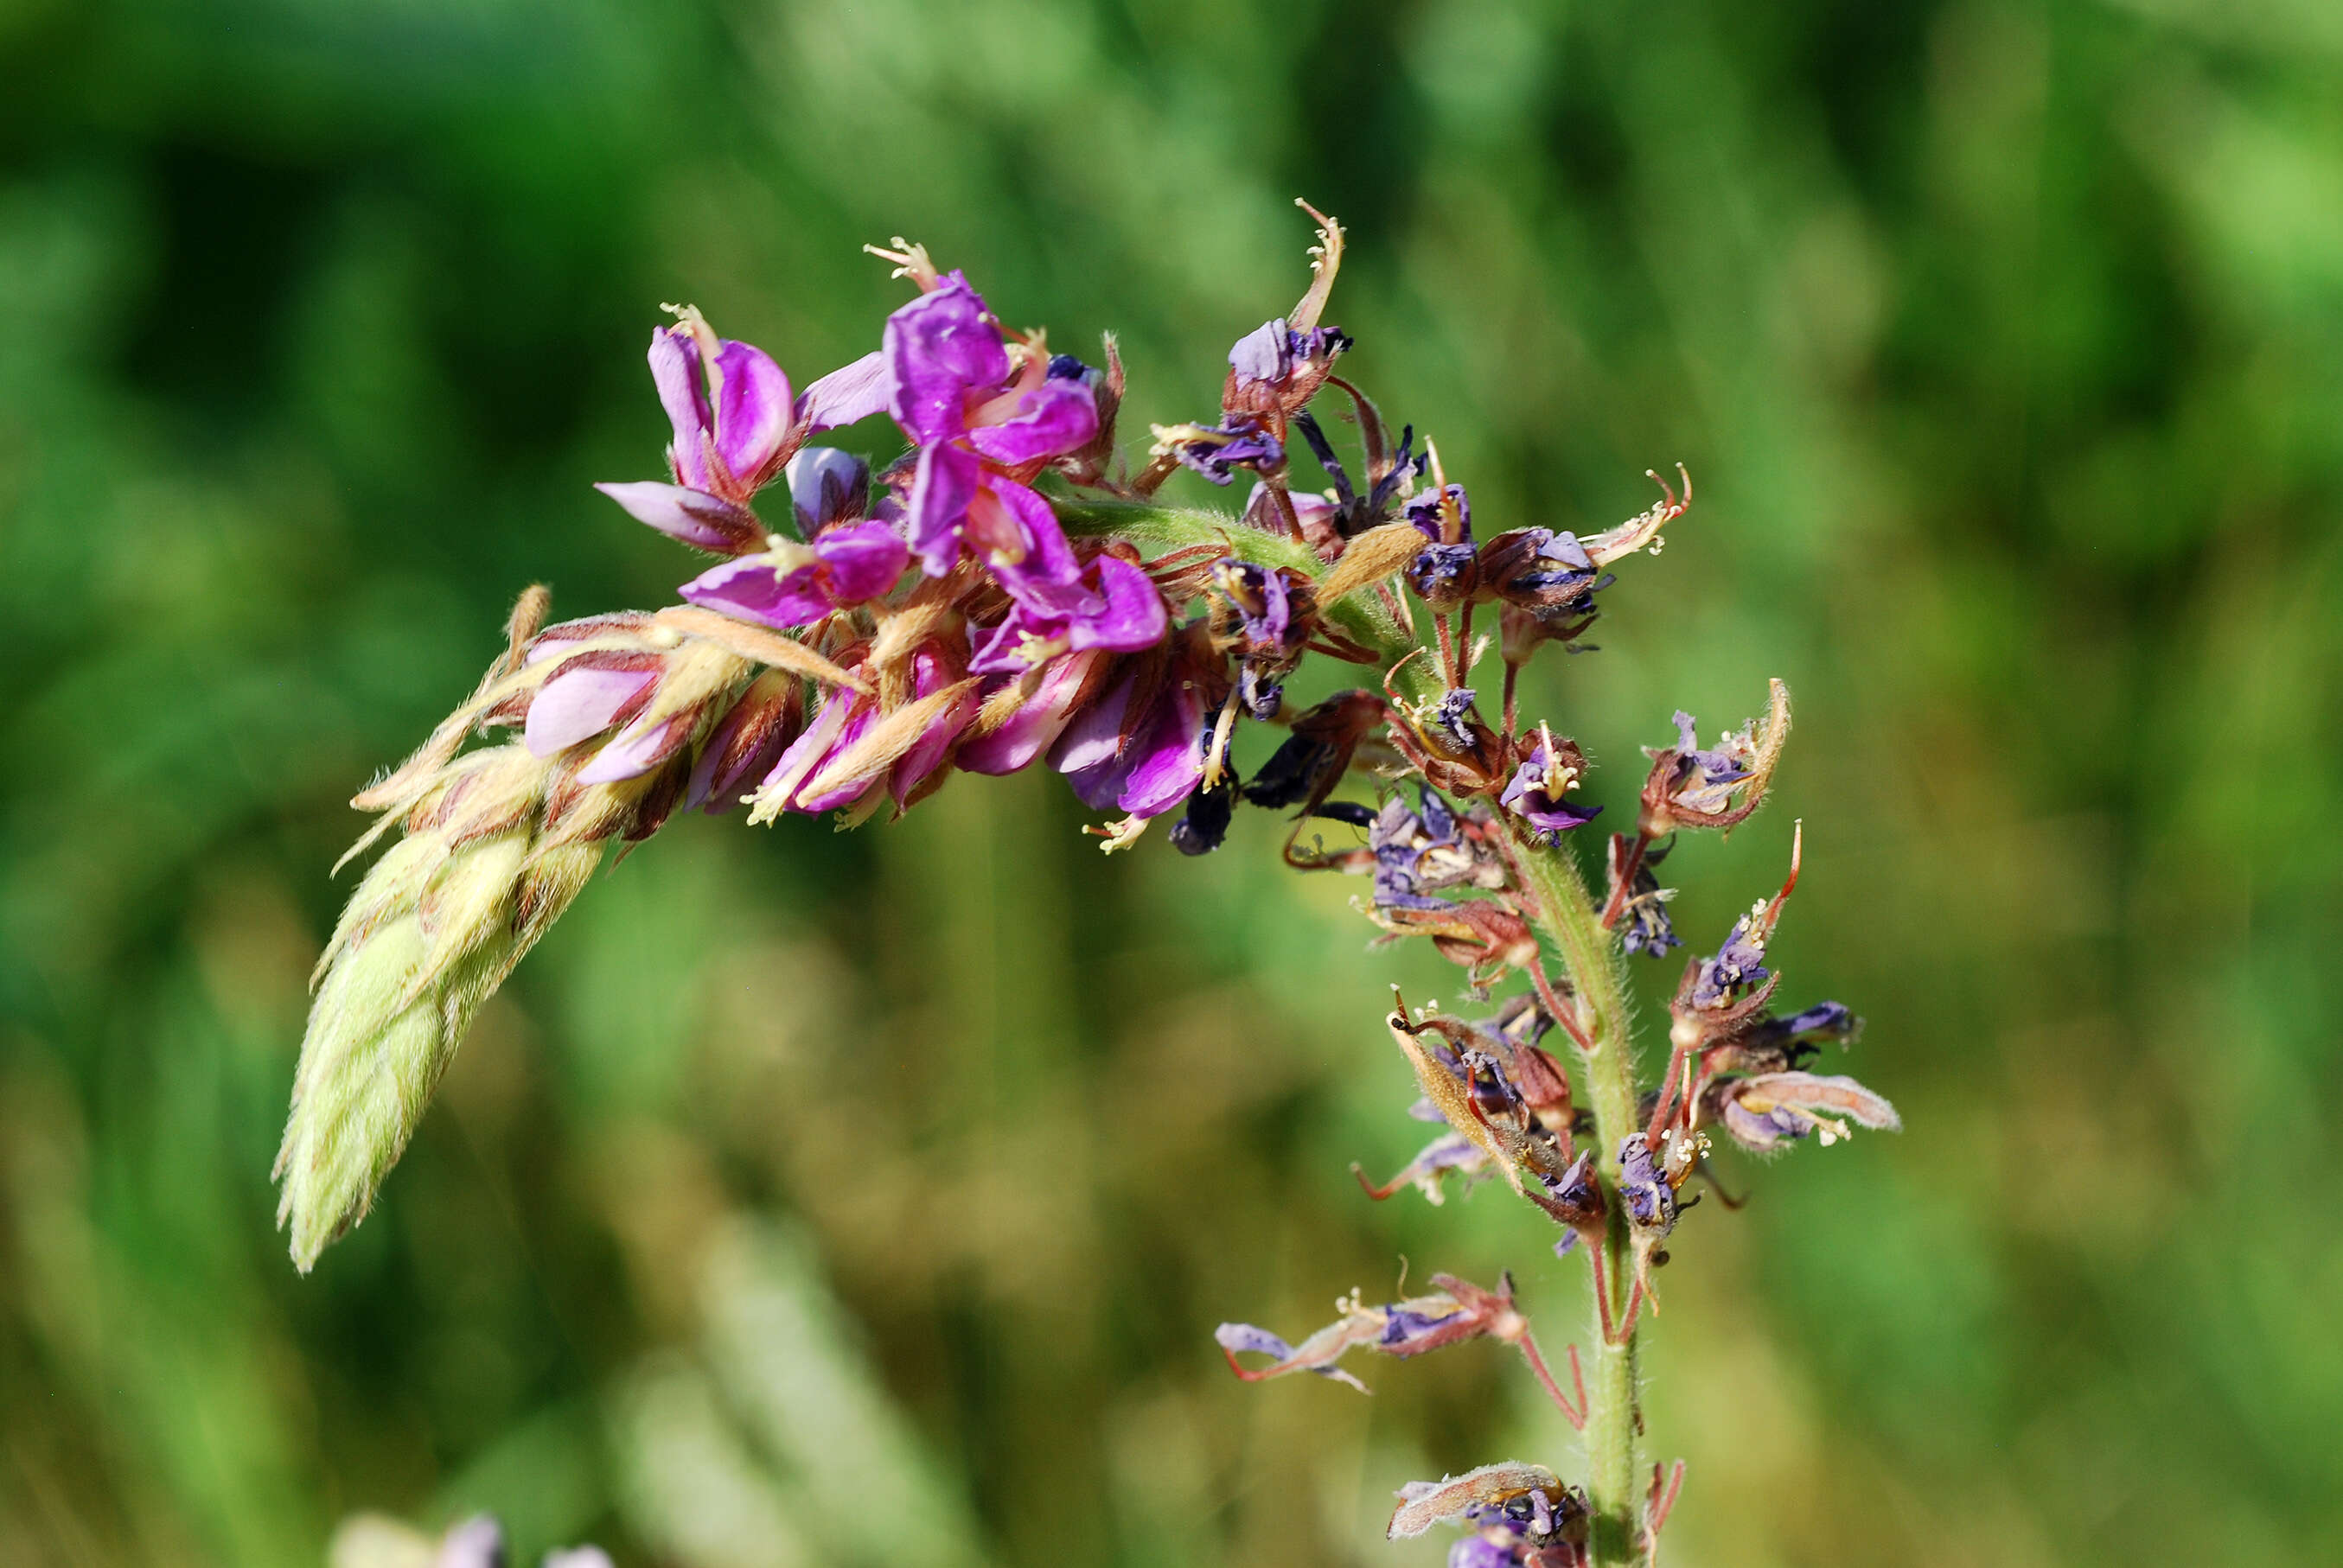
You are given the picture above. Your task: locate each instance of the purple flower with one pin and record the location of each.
(980, 433)
(1263, 614)
(1449, 717)
(1688, 787)
(1113, 605)
(731, 406)
(1650, 1200)
(1218, 451)
(1794, 1039)
(942, 351)
(1535, 793)
(1443, 575)
(1032, 713)
(1546, 574)
(1737, 966)
(735, 429)
(1276, 368)
(1138, 752)
(1414, 852)
(1644, 926)
(1763, 1112)
(795, 584)
(1449, 1152)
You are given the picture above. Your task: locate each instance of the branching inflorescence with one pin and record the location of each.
(1008, 592)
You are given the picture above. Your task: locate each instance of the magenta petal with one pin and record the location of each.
(865, 559)
(1027, 732)
(858, 723)
(1092, 740)
(998, 651)
(756, 591)
(1167, 758)
(700, 520)
(753, 408)
(939, 349)
(804, 756)
(1134, 616)
(851, 393)
(1054, 418)
(578, 704)
(675, 371)
(930, 675)
(1049, 577)
(636, 751)
(942, 489)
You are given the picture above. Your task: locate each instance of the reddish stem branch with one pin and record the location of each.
(1574, 1414)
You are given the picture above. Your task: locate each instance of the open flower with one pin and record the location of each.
(793, 585)
(985, 421)
(736, 428)
(1140, 748)
(1110, 604)
(1535, 791)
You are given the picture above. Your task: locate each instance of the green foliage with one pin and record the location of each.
(2006, 342)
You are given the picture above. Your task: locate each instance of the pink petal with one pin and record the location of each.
(942, 487)
(756, 590)
(1167, 759)
(675, 371)
(851, 393)
(865, 559)
(939, 349)
(1054, 418)
(1132, 617)
(753, 409)
(1036, 725)
(698, 520)
(578, 704)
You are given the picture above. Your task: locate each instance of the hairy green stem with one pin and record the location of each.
(1567, 919)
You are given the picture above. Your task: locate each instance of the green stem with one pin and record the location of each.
(1568, 920)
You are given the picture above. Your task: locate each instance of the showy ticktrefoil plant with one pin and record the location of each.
(1009, 593)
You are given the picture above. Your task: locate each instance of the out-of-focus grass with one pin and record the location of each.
(812, 1198)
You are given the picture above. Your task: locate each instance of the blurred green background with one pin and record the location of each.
(811, 1198)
